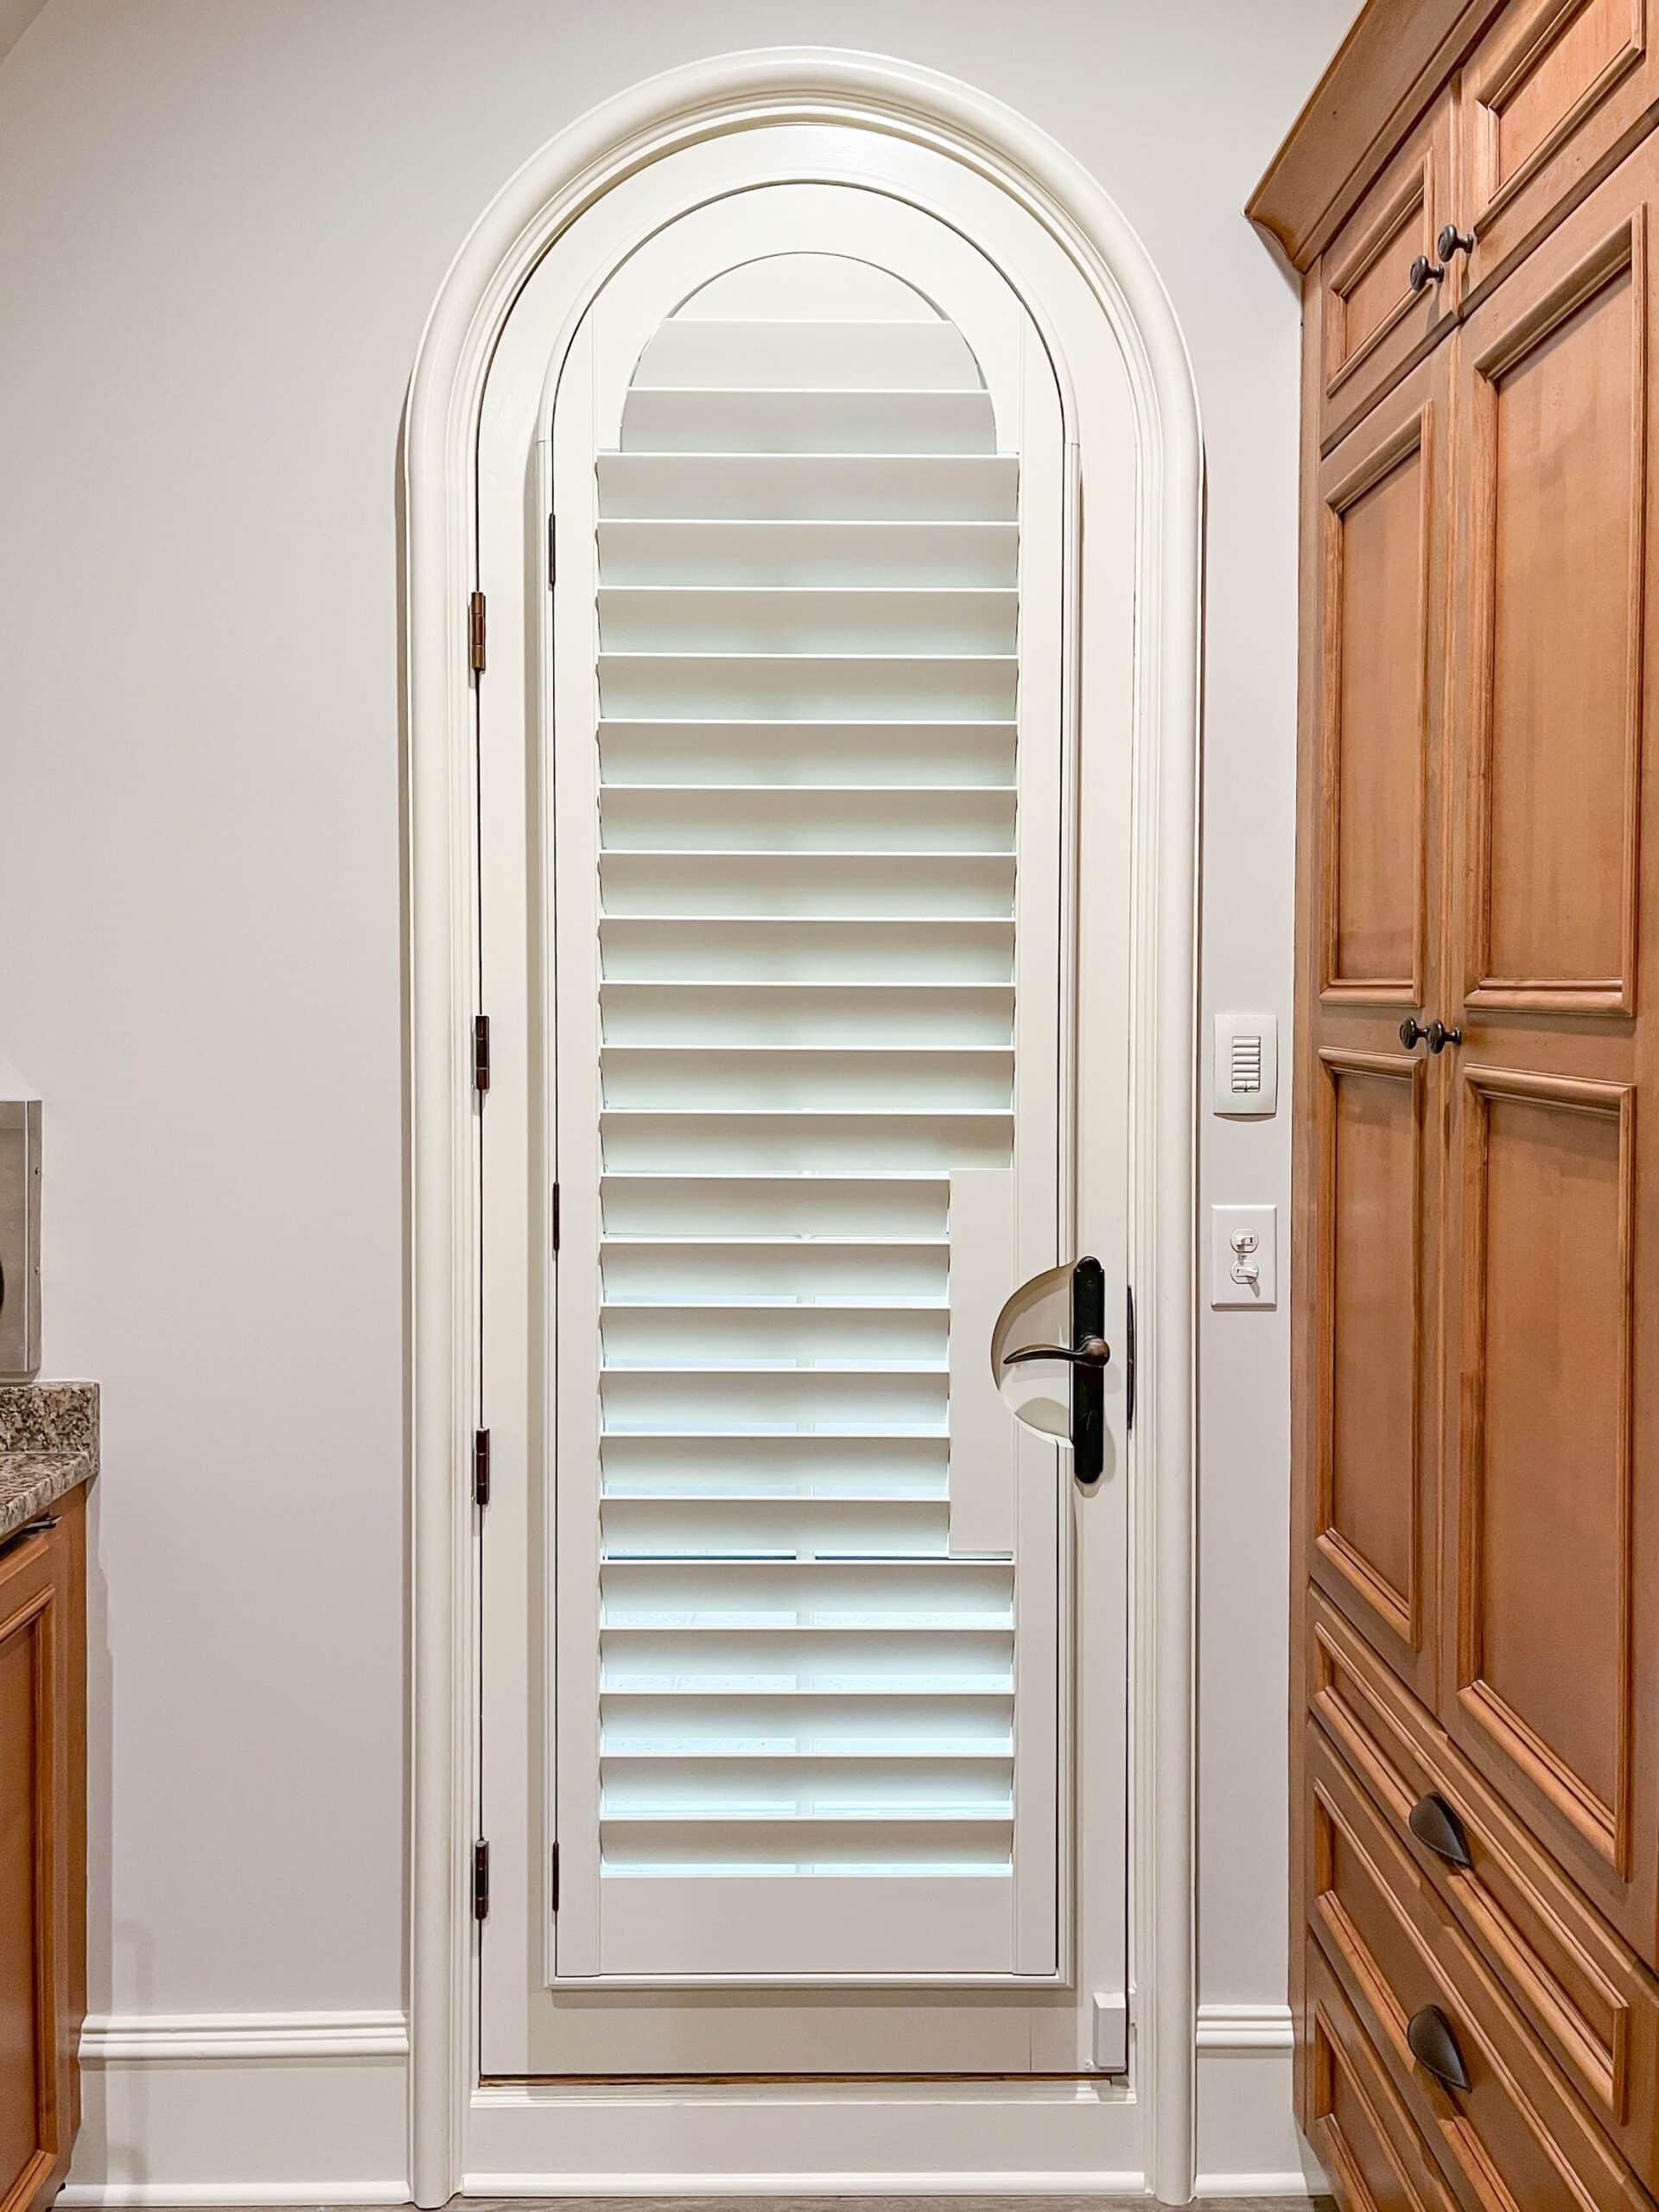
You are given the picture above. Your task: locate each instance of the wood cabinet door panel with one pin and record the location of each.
(1546, 102)
(1549, 1677)
(1382, 576)
(1378, 561)
(1367, 2143)
(1544, 1534)
(1513, 2136)
(1371, 1531)
(1554, 434)
(32, 1844)
(1373, 322)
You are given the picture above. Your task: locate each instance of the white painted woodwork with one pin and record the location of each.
(1133, 406)
(772, 1504)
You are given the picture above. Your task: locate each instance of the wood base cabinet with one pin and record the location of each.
(42, 1853)
(1475, 1609)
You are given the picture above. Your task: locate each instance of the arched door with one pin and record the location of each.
(805, 941)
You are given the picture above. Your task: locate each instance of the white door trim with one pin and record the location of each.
(651, 120)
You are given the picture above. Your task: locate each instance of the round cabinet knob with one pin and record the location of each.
(1439, 1036)
(1452, 241)
(1412, 1032)
(1424, 272)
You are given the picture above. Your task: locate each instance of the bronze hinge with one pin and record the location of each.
(556, 1221)
(552, 554)
(475, 629)
(480, 1051)
(553, 1883)
(480, 1880)
(480, 1466)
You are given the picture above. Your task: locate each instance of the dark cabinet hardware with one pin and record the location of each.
(1435, 2047)
(1436, 1034)
(1452, 241)
(1438, 1829)
(1424, 272)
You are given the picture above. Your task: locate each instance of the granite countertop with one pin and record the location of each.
(48, 1444)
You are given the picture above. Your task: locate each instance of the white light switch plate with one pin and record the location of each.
(1244, 1256)
(1247, 1065)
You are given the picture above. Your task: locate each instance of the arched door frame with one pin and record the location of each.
(642, 125)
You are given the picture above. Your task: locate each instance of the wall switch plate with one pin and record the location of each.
(1247, 1063)
(20, 1239)
(1244, 1256)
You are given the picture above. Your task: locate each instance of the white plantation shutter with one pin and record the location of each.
(807, 919)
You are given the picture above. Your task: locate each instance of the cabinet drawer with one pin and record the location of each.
(1547, 103)
(1353, 2116)
(1409, 1971)
(1373, 325)
(1588, 1998)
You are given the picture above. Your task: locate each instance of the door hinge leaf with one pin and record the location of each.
(553, 1885)
(556, 1221)
(480, 1466)
(475, 632)
(480, 1880)
(480, 1051)
(552, 553)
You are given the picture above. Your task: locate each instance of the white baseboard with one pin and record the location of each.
(1249, 2144)
(698, 2183)
(1295, 2184)
(283, 2108)
(1244, 2027)
(242, 2108)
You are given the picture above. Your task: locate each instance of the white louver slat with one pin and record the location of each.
(824, 1142)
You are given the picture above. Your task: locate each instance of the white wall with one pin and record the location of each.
(221, 227)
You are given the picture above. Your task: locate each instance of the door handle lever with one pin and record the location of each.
(1086, 1357)
(1093, 1351)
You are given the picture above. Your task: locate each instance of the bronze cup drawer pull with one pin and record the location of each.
(1435, 2047)
(1438, 1829)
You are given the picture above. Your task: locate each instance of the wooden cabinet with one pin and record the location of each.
(1380, 303)
(1379, 542)
(1546, 103)
(1550, 1632)
(43, 1854)
(1475, 1731)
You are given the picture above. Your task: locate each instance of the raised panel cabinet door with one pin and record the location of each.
(1384, 296)
(35, 2122)
(1550, 1669)
(1369, 1170)
(1546, 102)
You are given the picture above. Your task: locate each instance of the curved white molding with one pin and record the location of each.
(642, 125)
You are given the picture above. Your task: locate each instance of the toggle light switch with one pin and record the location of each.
(1244, 1256)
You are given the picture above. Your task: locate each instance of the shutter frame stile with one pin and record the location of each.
(803, 1734)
